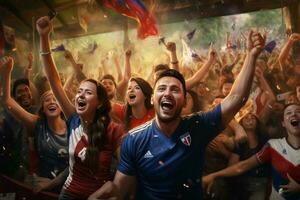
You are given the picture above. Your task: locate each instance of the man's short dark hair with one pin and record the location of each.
(110, 77)
(287, 105)
(172, 73)
(20, 81)
(161, 67)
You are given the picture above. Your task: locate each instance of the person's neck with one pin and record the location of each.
(294, 141)
(139, 111)
(57, 125)
(86, 122)
(252, 139)
(168, 128)
(112, 98)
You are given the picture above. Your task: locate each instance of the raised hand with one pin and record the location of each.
(294, 37)
(171, 46)
(255, 43)
(6, 65)
(44, 26)
(128, 53)
(212, 52)
(30, 60)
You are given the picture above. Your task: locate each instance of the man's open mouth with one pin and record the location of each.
(295, 122)
(166, 105)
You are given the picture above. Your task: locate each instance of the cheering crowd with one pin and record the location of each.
(227, 127)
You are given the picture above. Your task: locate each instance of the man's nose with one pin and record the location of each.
(167, 92)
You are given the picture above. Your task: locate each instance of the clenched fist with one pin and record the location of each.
(44, 26)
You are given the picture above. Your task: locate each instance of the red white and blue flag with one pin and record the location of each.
(136, 10)
(58, 48)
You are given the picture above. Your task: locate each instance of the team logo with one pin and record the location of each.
(186, 139)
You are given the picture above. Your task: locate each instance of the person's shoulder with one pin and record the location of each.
(115, 127)
(277, 141)
(73, 121)
(140, 131)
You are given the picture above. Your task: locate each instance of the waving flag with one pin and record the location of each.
(188, 55)
(270, 46)
(94, 47)
(58, 48)
(191, 34)
(136, 10)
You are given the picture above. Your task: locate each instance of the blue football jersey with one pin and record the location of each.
(169, 167)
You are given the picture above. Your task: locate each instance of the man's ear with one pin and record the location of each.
(185, 102)
(151, 100)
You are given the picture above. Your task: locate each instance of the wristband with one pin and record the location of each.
(45, 53)
(175, 62)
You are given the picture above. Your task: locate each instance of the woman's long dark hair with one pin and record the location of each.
(98, 128)
(147, 91)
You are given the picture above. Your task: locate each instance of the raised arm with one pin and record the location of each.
(268, 94)
(122, 85)
(118, 68)
(44, 27)
(284, 53)
(76, 67)
(103, 70)
(241, 88)
(27, 119)
(200, 74)
(28, 69)
(240, 135)
(171, 47)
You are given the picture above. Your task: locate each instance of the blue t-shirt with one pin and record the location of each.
(169, 167)
(52, 150)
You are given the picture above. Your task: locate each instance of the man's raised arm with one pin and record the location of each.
(241, 88)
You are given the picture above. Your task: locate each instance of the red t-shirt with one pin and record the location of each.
(82, 181)
(118, 111)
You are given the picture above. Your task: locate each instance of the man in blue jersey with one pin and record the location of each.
(163, 159)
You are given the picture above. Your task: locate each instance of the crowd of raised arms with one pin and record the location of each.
(227, 127)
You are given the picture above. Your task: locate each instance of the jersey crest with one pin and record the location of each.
(186, 139)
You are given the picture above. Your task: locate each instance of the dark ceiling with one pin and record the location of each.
(22, 14)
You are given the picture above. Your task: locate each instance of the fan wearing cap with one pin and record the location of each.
(50, 133)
